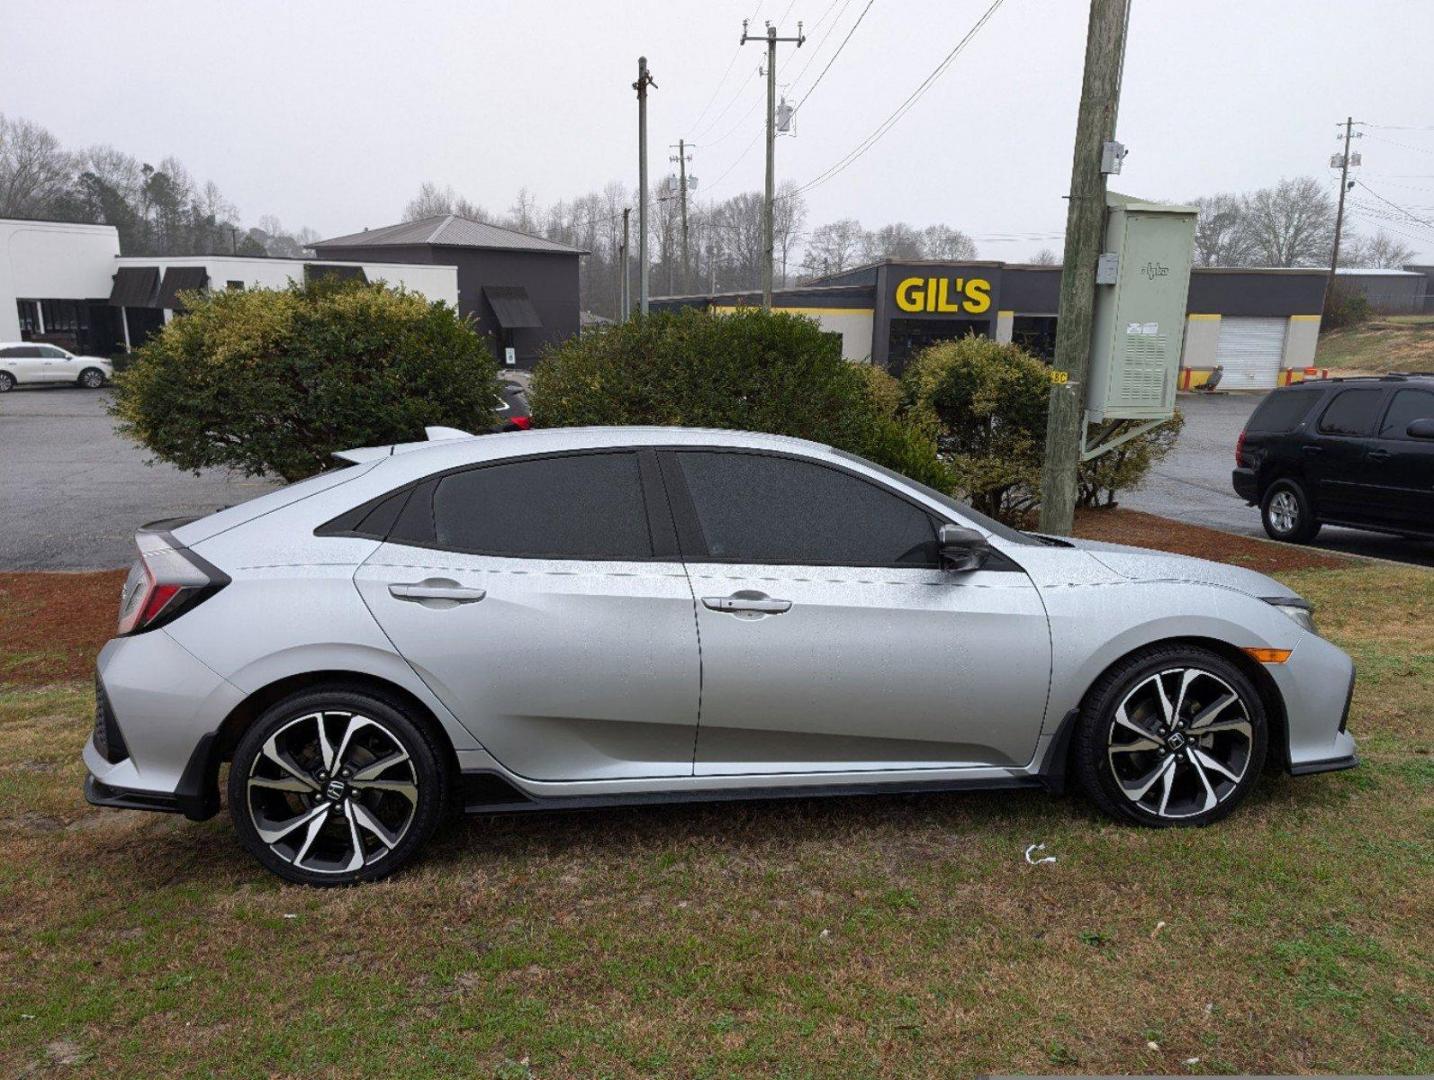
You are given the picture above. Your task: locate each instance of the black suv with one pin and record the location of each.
(1356, 451)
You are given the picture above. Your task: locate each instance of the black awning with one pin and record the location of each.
(178, 279)
(512, 307)
(135, 286)
(334, 272)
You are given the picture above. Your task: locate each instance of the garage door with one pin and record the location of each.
(1249, 350)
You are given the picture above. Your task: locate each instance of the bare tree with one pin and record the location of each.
(1222, 237)
(1044, 257)
(832, 248)
(433, 201)
(35, 169)
(943, 242)
(1290, 224)
(525, 213)
(789, 217)
(895, 241)
(1380, 251)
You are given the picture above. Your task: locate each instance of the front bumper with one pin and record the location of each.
(1317, 685)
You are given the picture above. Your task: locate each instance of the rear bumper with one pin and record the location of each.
(1246, 485)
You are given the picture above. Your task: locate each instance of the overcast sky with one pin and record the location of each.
(330, 114)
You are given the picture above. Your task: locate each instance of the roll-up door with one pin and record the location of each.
(1249, 350)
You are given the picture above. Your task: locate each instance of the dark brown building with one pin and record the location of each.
(521, 290)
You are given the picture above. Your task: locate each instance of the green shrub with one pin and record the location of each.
(750, 370)
(274, 381)
(1344, 306)
(985, 405)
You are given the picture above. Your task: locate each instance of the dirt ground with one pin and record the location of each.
(1117, 526)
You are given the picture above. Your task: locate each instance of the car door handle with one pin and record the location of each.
(1378, 455)
(436, 589)
(755, 602)
(1307, 449)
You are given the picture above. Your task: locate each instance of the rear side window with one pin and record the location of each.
(582, 506)
(1407, 407)
(758, 509)
(1282, 410)
(1352, 412)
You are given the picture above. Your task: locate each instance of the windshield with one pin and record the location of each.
(991, 525)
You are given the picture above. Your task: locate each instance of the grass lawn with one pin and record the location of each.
(1385, 343)
(873, 936)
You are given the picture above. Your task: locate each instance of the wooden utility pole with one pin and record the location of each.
(771, 39)
(625, 286)
(1085, 228)
(644, 80)
(1339, 214)
(681, 160)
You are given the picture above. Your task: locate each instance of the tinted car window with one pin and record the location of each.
(582, 506)
(49, 352)
(760, 509)
(1351, 413)
(1407, 406)
(1282, 410)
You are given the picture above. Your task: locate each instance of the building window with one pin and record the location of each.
(65, 316)
(29, 318)
(234, 286)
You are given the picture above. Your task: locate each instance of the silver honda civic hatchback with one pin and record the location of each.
(581, 617)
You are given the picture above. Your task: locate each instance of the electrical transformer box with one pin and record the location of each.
(1139, 325)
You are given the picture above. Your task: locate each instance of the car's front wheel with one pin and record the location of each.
(334, 786)
(7, 381)
(1287, 514)
(1172, 736)
(92, 378)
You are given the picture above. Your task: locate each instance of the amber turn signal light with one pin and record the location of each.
(1269, 656)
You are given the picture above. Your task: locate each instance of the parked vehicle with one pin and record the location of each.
(565, 618)
(1352, 451)
(511, 409)
(31, 362)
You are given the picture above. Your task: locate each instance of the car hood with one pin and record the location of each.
(1143, 564)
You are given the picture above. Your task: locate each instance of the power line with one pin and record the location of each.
(1402, 146)
(905, 107)
(820, 45)
(832, 61)
(1402, 210)
(723, 80)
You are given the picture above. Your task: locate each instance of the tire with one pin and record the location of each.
(1125, 747)
(280, 784)
(92, 378)
(1287, 514)
(7, 382)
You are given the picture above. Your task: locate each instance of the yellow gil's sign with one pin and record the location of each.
(969, 295)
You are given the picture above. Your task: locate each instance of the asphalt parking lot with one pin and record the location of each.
(73, 492)
(1193, 483)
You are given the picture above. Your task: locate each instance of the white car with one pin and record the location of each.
(32, 362)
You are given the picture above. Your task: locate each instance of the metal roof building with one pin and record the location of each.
(522, 290)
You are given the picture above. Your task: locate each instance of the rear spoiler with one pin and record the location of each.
(359, 454)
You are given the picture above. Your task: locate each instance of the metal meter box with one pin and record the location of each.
(1140, 320)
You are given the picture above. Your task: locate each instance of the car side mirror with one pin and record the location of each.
(962, 550)
(1421, 429)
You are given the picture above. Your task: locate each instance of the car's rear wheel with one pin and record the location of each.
(92, 378)
(334, 786)
(7, 382)
(1172, 736)
(1287, 513)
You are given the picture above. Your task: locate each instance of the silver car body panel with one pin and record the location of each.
(613, 713)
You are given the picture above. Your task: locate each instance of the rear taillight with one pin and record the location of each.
(1240, 449)
(164, 582)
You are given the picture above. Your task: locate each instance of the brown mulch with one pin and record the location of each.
(52, 625)
(1119, 526)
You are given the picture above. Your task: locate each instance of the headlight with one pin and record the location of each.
(1299, 610)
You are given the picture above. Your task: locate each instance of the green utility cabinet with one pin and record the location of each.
(1142, 283)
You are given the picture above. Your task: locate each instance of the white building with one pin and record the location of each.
(68, 284)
